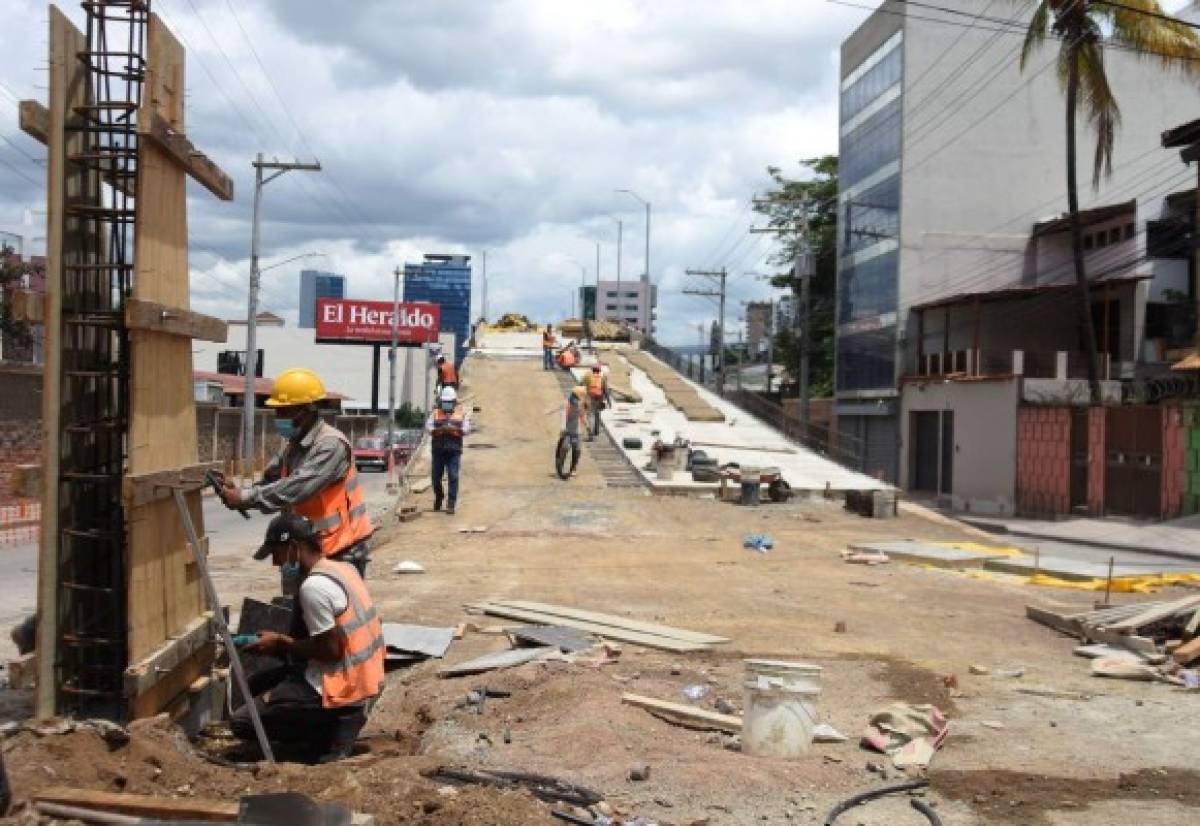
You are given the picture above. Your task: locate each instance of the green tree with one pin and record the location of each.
(12, 270)
(785, 207)
(1080, 26)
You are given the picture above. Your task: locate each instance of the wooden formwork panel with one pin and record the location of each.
(164, 591)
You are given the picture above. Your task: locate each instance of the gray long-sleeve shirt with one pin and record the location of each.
(317, 460)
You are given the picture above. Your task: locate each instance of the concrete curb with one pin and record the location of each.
(993, 528)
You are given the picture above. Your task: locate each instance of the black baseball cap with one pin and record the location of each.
(284, 528)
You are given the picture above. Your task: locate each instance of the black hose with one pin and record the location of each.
(925, 809)
(570, 818)
(882, 791)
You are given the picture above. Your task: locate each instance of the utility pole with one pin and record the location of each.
(483, 279)
(770, 339)
(279, 168)
(392, 363)
(716, 278)
(739, 360)
(620, 229)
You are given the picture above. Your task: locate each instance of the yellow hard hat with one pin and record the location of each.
(294, 386)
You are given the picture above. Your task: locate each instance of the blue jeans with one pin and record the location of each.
(547, 358)
(446, 462)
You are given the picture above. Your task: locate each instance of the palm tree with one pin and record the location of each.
(1081, 26)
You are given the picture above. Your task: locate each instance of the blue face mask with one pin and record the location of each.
(447, 407)
(285, 428)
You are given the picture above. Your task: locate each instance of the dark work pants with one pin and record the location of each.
(291, 713)
(446, 462)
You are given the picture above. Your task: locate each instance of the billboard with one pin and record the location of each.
(355, 321)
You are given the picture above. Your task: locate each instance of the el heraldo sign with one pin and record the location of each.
(352, 321)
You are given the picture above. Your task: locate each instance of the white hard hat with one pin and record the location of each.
(449, 394)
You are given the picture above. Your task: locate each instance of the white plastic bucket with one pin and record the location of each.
(781, 708)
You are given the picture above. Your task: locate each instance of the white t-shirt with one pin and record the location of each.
(321, 600)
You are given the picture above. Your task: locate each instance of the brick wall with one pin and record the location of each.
(1174, 461)
(1043, 460)
(20, 421)
(1097, 458)
(219, 433)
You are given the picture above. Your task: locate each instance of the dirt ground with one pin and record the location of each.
(1054, 747)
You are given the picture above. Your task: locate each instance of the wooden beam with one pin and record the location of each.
(197, 165)
(141, 677)
(150, 315)
(34, 120)
(689, 716)
(604, 631)
(27, 306)
(145, 488)
(142, 805)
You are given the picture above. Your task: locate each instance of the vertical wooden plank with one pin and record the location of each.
(67, 89)
(164, 594)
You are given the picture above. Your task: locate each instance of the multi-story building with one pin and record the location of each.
(758, 326)
(954, 253)
(444, 280)
(315, 284)
(628, 302)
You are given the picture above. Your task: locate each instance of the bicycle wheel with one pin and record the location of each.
(562, 457)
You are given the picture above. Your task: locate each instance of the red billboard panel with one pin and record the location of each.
(352, 320)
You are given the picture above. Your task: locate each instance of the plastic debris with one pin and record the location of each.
(760, 542)
(696, 692)
(408, 567)
(825, 733)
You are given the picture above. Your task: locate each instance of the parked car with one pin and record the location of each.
(370, 452)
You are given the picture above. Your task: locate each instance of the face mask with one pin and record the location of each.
(447, 407)
(285, 428)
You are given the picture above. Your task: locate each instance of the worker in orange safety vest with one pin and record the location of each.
(599, 397)
(447, 376)
(313, 475)
(333, 653)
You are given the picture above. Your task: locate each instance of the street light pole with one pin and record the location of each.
(620, 227)
(646, 204)
(392, 365)
(252, 300)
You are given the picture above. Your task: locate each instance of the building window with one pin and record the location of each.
(611, 294)
(874, 82)
(611, 307)
(868, 289)
(1089, 241)
(631, 294)
(866, 361)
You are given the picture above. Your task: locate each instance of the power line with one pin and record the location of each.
(1147, 13)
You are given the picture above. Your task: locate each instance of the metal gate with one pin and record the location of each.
(1133, 461)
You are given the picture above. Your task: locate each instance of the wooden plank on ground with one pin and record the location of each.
(142, 805)
(493, 662)
(606, 631)
(1053, 619)
(667, 631)
(1155, 613)
(689, 716)
(150, 315)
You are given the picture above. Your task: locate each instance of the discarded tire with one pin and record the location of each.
(631, 443)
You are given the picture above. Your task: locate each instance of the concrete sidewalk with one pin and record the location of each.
(1177, 538)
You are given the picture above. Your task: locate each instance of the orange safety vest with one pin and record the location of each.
(566, 359)
(358, 675)
(595, 385)
(338, 512)
(547, 339)
(447, 374)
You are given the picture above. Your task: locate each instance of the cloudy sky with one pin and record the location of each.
(471, 125)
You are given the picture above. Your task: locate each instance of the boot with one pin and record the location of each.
(437, 503)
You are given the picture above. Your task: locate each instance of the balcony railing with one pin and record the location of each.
(1032, 364)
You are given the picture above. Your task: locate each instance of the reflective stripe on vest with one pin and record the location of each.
(338, 512)
(359, 674)
(450, 421)
(447, 373)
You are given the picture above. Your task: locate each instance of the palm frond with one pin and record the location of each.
(1035, 35)
(1097, 101)
(1173, 45)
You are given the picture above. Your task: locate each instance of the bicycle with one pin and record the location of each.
(567, 446)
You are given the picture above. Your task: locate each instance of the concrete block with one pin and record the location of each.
(1063, 568)
(924, 553)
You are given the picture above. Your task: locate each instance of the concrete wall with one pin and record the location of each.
(985, 439)
(1043, 461)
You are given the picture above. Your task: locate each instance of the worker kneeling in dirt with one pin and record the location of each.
(313, 475)
(334, 653)
(568, 356)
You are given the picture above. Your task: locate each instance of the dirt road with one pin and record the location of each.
(1075, 751)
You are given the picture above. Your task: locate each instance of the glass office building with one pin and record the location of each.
(869, 253)
(444, 280)
(315, 284)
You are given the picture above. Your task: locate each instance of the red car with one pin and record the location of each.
(369, 452)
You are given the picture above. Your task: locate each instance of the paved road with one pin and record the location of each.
(232, 541)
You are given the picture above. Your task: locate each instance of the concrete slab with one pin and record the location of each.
(910, 550)
(1065, 568)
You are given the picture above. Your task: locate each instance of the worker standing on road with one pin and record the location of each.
(313, 475)
(574, 418)
(447, 375)
(599, 396)
(333, 652)
(548, 342)
(448, 424)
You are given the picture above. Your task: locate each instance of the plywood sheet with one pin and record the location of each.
(164, 593)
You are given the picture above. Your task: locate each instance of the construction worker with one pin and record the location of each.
(575, 417)
(568, 356)
(333, 653)
(447, 424)
(548, 342)
(313, 475)
(598, 396)
(447, 375)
